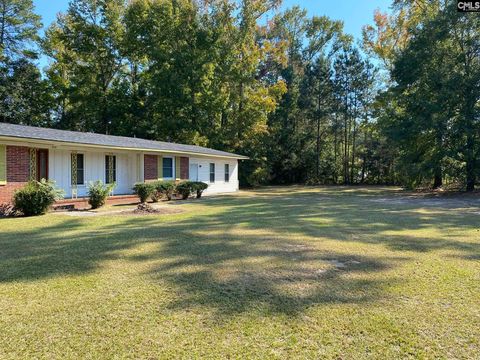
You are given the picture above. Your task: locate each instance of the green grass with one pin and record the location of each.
(277, 273)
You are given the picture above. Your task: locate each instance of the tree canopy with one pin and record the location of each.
(295, 93)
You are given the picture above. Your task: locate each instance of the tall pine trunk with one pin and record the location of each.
(470, 159)
(352, 165)
(470, 143)
(318, 149)
(364, 156)
(345, 150)
(438, 173)
(335, 150)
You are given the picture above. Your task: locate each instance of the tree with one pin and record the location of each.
(391, 34)
(19, 27)
(317, 100)
(435, 120)
(24, 97)
(84, 45)
(464, 46)
(293, 93)
(295, 119)
(353, 82)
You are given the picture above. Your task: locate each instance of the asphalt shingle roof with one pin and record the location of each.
(76, 137)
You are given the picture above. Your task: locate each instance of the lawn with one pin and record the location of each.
(295, 272)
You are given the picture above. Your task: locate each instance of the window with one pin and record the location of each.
(227, 172)
(167, 167)
(212, 172)
(110, 169)
(78, 169)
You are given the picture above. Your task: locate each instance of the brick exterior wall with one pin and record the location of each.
(150, 171)
(18, 171)
(184, 168)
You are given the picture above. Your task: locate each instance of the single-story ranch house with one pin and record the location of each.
(73, 159)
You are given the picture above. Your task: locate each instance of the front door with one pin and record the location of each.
(193, 171)
(42, 164)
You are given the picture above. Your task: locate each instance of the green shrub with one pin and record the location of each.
(199, 187)
(98, 193)
(36, 197)
(164, 188)
(144, 191)
(184, 189)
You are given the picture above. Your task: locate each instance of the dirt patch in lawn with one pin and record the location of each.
(146, 209)
(160, 211)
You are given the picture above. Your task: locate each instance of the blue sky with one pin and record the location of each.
(354, 13)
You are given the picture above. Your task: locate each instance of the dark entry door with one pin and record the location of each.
(42, 164)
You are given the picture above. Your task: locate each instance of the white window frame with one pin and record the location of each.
(173, 168)
(210, 173)
(225, 173)
(105, 168)
(84, 169)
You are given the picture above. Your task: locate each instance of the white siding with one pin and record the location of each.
(94, 163)
(219, 186)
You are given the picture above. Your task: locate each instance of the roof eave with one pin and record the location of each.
(55, 142)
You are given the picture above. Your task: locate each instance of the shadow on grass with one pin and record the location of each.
(258, 252)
